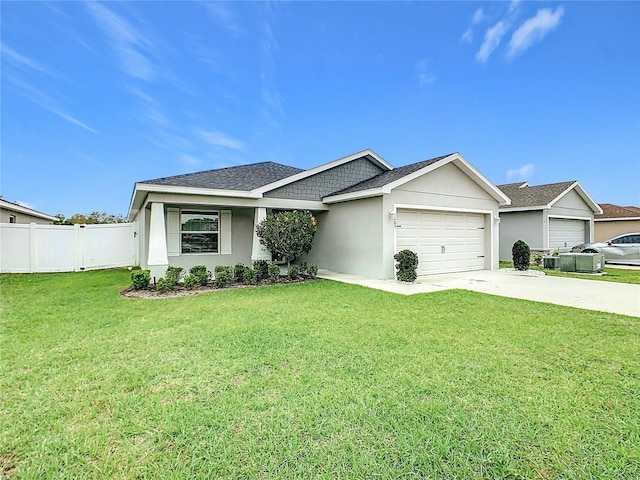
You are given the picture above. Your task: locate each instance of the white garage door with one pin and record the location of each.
(564, 232)
(444, 241)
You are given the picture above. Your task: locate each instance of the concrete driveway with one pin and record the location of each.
(610, 297)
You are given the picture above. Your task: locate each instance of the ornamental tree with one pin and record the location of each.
(288, 235)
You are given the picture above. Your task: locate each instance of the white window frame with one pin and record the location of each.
(12, 219)
(194, 232)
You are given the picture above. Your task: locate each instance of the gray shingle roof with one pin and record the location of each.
(533, 196)
(388, 177)
(243, 177)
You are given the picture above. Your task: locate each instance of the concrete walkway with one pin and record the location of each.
(611, 297)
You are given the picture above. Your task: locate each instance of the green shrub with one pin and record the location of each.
(537, 259)
(220, 268)
(556, 252)
(163, 285)
(173, 275)
(521, 255)
(201, 273)
(223, 279)
(140, 279)
(250, 276)
(294, 272)
(274, 273)
(190, 281)
(303, 268)
(288, 235)
(238, 273)
(312, 271)
(262, 269)
(407, 266)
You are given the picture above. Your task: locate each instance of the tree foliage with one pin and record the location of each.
(521, 254)
(288, 235)
(91, 219)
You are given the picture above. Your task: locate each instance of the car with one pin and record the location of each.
(621, 249)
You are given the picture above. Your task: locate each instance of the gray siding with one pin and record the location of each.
(525, 226)
(329, 181)
(349, 238)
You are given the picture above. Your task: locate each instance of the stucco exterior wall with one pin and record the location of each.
(349, 238)
(571, 205)
(21, 217)
(604, 230)
(527, 226)
(329, 181)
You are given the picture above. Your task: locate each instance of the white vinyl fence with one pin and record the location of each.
(66, 248)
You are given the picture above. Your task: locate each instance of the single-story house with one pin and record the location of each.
(616, 220)
(546, 217)
(444, 209)
(11, 212)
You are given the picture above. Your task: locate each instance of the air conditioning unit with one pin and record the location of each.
(568, 262)
(589, 262)
(551, 263)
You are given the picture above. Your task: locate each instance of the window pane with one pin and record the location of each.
(199, 243)
(199, 222)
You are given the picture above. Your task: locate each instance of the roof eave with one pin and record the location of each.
(26, 210)
(345, 197)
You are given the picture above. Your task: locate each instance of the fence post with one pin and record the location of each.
(33, 245)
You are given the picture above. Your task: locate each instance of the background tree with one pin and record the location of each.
(91, 219)
(288, 235)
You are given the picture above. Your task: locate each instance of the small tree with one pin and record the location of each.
(288, 234)
(521, 254)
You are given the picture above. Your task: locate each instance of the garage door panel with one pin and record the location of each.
(565, 232)
(425, 232)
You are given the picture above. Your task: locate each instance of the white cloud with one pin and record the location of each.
(492, 39)
(220, 139)
(224, 16)
(522, 173)
(513, 5)
(534, 30)
(126, 40)
(479, 16)
(425, 76)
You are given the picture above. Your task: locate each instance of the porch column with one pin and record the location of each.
(259, 251)
(157, 258)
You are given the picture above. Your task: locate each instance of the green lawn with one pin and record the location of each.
(610, 274)
(313, 380)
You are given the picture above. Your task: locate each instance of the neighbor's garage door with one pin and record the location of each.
(444, 241)
(564, 232)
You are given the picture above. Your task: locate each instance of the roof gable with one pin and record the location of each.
(16, 207)
(524, 196)
(387, 181)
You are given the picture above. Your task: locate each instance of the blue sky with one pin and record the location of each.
(97, 96)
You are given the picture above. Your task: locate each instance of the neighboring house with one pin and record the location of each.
(11, 212)
(616, 220)
(443, 208)
(546, 217)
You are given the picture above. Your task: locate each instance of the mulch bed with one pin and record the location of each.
(180, 291)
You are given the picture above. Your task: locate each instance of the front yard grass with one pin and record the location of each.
(312, 380)
(610, 274)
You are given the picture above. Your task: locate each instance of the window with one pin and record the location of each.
(12, 219)
(626, 239)
(199, 232)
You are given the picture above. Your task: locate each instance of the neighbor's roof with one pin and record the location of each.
(390, 176)
(524, 195)
(16, 207)
(243, 177)
(617, 212)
